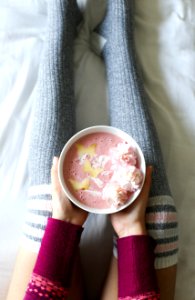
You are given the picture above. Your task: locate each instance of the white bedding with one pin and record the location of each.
(165, 40)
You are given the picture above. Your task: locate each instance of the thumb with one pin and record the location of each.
(54, 172)
(147, 184)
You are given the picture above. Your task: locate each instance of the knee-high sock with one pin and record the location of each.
(129, 112)
(53, 117)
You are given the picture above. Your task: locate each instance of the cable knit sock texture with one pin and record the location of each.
(54, 120)
(129, 112)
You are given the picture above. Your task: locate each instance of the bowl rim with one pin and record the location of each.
(82, 133)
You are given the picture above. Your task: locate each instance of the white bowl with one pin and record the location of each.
(95, 129)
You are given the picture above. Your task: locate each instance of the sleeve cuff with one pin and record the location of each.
(136, 265)
(58, 249)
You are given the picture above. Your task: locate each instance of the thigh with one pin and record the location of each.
(110, 289)
(23, 268)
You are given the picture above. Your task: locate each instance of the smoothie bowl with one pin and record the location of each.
(101, 169)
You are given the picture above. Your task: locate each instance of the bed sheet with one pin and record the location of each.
(165, 43)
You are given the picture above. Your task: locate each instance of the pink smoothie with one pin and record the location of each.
(101, 170)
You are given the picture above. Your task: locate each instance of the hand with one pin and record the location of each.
(131, 221)
(62, 208)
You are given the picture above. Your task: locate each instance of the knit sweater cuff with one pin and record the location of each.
(136, 266)
(58, 249)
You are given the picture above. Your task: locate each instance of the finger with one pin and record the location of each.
(147, 184)
(55, 183)
(54, 172)
(149, 171)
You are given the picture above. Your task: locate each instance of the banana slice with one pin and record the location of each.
(93, 172)
(86, 150)
(80, 185)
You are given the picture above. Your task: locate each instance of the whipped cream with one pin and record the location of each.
(124, 153)
(126, 177)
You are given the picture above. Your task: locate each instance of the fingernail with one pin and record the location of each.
(55, 159)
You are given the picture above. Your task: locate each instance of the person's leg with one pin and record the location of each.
(53, 124)
(129, 112)
(110, 289)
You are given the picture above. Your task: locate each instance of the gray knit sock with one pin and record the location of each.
(54, 120)
(129, 112)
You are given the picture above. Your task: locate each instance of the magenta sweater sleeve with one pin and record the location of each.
(52, 272)
(136, 273)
